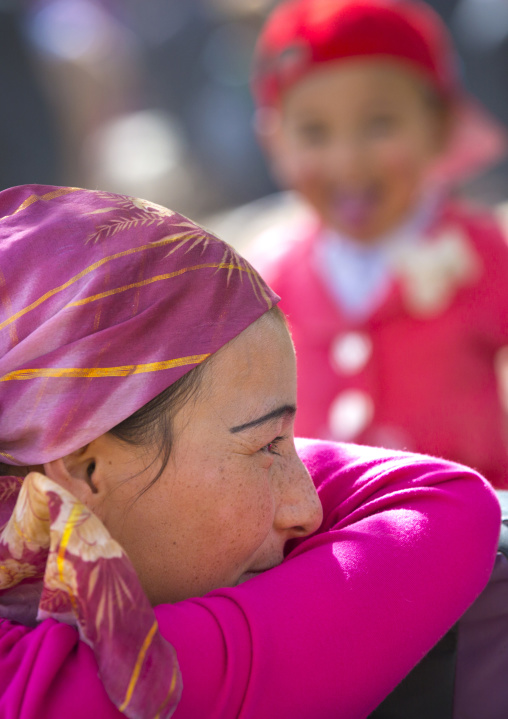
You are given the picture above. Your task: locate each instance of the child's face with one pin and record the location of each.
(356, 140)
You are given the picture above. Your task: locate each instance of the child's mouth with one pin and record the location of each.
(354, 209)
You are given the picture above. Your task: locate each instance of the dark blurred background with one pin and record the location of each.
(151, 97)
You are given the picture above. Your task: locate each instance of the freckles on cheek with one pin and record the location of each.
(246, 517)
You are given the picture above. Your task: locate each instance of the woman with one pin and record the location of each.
(148, 399)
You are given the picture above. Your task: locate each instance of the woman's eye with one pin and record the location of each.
(271, 447)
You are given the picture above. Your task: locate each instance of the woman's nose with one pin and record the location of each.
(299, 511)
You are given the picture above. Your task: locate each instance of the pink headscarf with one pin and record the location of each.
(105, 301)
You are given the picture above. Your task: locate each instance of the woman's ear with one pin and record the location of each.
(76, 473)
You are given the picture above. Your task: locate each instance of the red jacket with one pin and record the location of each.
(419, 372)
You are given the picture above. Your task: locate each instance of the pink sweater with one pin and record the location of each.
(406, 544)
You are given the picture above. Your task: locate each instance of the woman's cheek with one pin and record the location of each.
(250, 509)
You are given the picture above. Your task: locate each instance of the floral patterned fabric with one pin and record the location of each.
(58, 560)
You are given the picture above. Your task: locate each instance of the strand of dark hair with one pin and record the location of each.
(152, 424)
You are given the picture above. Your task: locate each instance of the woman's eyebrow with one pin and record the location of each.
(287, 409)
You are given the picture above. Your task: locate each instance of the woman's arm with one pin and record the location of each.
(406, 545)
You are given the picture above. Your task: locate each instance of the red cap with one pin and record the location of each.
(301, 34)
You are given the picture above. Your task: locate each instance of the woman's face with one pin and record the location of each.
(234, 490)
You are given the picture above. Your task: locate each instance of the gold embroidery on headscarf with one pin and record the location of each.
(98, 310)
(110, 229)
(9, 456)
(255, 279)
(137, 667)
(128, 202)
(234, 261)
(48, 196)
(97, 319)
(257, 285)
(157, 278)
(6, 301)
(122, 371)
(197, 238)
(33, 409)
(140, 278)
(145, 214)
(77, 402)
(91, 268)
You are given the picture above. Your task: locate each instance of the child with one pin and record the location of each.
(396, 294)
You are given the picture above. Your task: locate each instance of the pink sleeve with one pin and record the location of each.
(406, 545)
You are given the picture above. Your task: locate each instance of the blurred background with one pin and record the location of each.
(151, 97)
